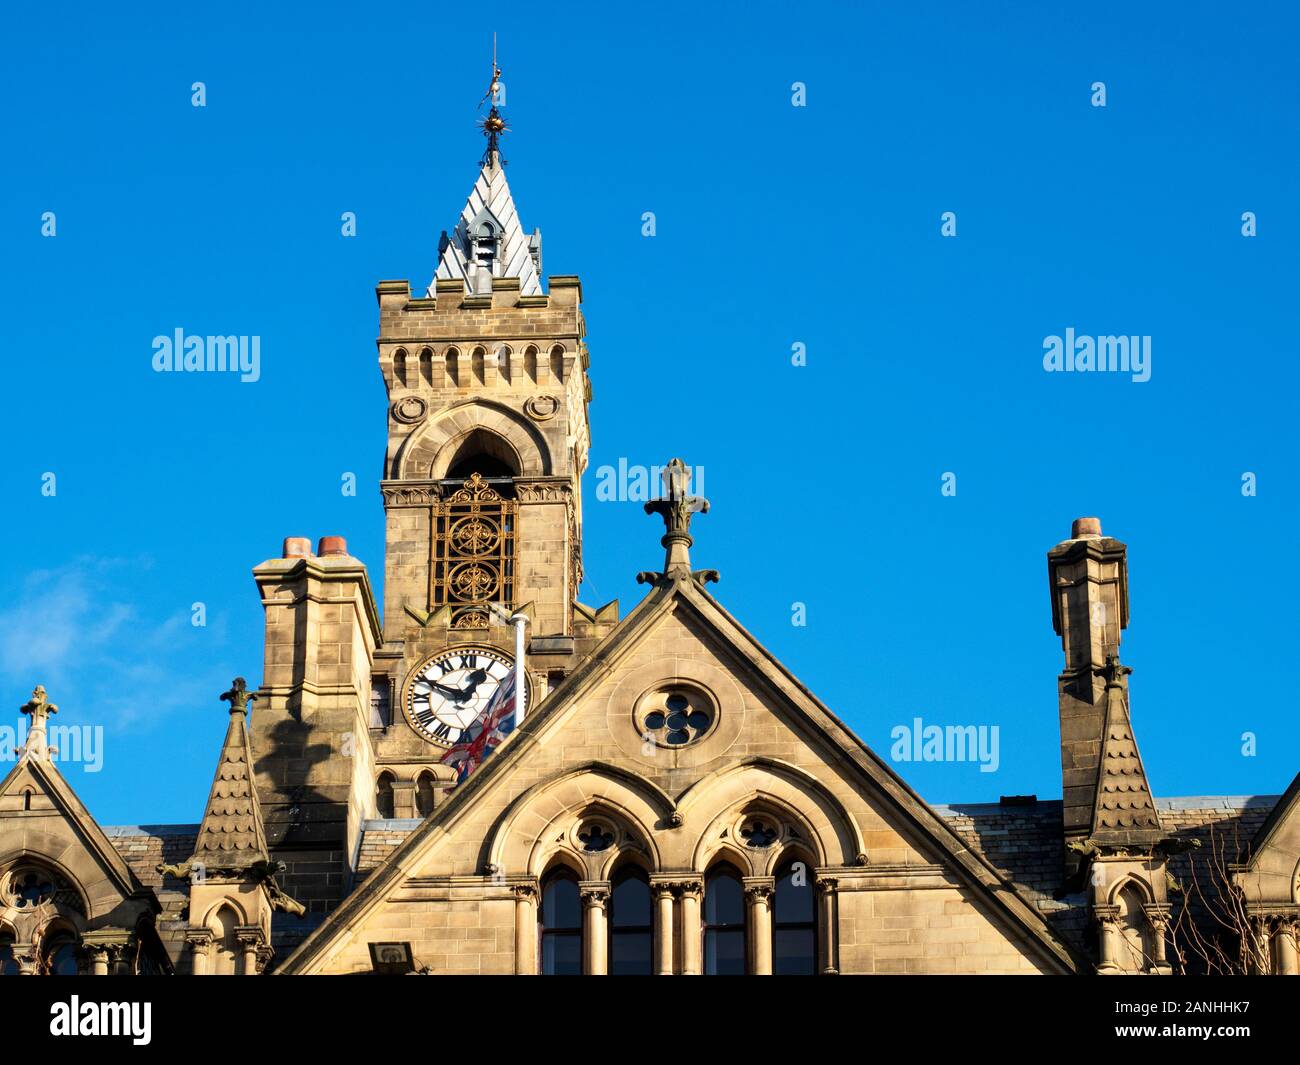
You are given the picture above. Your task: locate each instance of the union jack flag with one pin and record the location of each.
(490, 728)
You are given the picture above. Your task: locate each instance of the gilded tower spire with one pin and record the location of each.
(493, 125)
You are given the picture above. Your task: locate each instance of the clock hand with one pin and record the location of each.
(463, 695)
(475, 679)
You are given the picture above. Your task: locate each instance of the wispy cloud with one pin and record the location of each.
(76, 630)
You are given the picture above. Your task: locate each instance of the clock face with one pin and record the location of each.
(450, 692)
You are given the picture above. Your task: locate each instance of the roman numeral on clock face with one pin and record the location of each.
(452, 690)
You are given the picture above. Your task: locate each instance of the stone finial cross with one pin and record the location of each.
(676, 506)
(239, 696)
(1114, 672)
(39, 707)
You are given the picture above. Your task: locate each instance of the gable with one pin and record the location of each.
(43, 821)
(771, 775)
(1271, 874)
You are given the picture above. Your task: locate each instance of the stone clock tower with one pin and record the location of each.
(487, 389)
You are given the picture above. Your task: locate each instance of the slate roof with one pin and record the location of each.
(231, 835)
(490, 200)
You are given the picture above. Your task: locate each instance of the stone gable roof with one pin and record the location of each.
(969, 867)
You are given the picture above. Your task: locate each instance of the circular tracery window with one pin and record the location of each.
(675, 717)
(30, 886)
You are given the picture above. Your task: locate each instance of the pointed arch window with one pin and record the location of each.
(424, 794)
(724, 923)
(630, 944)
(225, 944)
(384, 795)
(60, 954)
(8, 963)
(560, 921)
(485, 245)
(794, 921)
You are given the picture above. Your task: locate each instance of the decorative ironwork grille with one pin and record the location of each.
(473, 552)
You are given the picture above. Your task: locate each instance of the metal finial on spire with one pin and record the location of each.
(493, 125)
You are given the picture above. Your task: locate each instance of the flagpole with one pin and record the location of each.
(521, 676)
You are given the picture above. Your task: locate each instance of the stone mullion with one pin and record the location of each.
(690, 893)
(826, 926)
(1108, 924)
(758, 896)
(663, 892)
(525, 929)
(200, 942)
(595, 904)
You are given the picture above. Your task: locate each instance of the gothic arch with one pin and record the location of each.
(526, 839)
(428, 452)
(717, 842)
(1130, 881)
(227, 902)
(831, 830)
(75, 878)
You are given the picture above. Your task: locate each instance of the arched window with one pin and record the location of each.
(384, 795)
(560, 920)
(794, 921)
(1132, 928)
(59, 954)
(225, 947)
(8, 963)
(629, 924)
(724, 923)
(424, 794)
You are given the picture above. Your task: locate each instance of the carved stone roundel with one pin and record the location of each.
(410, 409)
(539, 408)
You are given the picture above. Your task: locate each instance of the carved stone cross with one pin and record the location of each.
(239, 696)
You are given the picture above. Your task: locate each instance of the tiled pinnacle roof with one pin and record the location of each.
(1124, 802)
(231, 835)
(490, 200)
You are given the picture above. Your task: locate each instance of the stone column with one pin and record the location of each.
(1108, 926)
(1159, 921)
(595, 899)
(1284, 947)
(28, 959)
(758, 895)
(200, 941)
(525, 929)
(249, 944)
(691, 892)
(826, 926)
(1261, 953)
(663, 931)
(404, 798)
(98, 960)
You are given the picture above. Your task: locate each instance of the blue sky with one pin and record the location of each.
(776, 225)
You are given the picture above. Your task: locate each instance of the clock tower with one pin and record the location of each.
(362, 707)
(487, 387)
